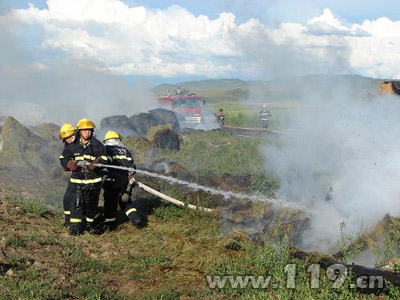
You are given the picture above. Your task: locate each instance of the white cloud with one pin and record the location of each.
(173, 41)
(328, 24)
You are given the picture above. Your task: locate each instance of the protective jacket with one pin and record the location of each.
(93, 151)
(119, 156)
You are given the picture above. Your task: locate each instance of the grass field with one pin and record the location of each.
(246, 114)
(170, 259)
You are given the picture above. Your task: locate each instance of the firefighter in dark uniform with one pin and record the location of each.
(67, 136)
(118, 184)
(79, 157)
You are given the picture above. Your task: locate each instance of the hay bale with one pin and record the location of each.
(121, 124)
(142, 122)
(151, 132)
(166, 139)
(23, 148)
(138, 145)
(164, 117)
(48, 131)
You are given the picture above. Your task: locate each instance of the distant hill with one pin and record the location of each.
(294, 88)
(201, 85)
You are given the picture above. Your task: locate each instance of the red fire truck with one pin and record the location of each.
(186, 105)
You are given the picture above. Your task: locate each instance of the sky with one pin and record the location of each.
(167, 41)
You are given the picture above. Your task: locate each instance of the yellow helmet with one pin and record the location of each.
(85, 123)
(111, 135)
(264, 105)
(66, 131)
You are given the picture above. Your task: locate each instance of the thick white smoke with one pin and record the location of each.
(347, 144)
(34, 93)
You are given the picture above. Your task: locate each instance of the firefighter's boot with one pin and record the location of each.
(133, 216)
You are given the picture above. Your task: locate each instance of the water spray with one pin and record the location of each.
(153, 191)
(195, 186)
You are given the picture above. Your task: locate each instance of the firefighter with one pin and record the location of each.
(67, 136)
(86, 179)
(265, 116)
(221, 117)
(118, 184)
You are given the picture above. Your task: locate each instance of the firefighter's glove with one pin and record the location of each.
(126, 197)
(132, 181)
(71, 165)
(92, 166)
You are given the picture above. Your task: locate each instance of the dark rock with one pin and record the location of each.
(142, 122)
(167, 139)
(165, 116)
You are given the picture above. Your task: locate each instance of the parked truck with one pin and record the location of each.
(186, 105)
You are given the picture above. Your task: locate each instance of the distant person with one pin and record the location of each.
(264, 115)
(118, 184)
(221, 117)
(67, 136)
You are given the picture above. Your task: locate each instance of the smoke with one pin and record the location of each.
(349, 145)
(35, 93)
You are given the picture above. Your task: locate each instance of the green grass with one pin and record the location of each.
(169, 213)
(15, 240)
(167, 260)
(30, 283)
(246, 114)
(205, 152)
(272, 259)
(264, 184)
(35, 205)
(90, 288)
(75, 256)
(208, 153)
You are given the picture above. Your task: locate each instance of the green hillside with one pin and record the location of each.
(295, 88)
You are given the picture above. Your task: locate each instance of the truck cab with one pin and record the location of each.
(187, 108)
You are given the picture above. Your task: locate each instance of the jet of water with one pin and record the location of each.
(195, 186)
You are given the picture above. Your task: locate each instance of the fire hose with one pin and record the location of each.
(149, 189)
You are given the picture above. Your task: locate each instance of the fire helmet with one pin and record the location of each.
(66, 131)
(112, 135)
(85, 123)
